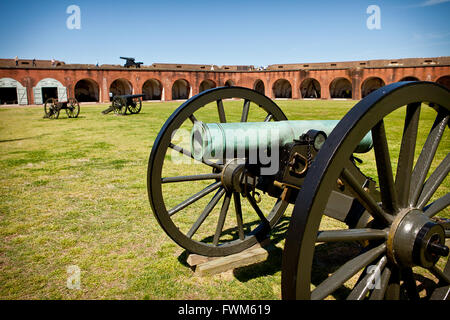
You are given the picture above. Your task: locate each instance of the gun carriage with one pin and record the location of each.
(262, 163)
(52, 108)
(123, 103)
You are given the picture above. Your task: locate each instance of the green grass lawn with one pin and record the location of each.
(73, 192)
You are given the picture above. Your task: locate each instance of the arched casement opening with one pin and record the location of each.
(310, 88)
(282, 89)
(49, 88)
(410, 78)
(444, 81)
(371, 84)
(229, 83)
(152, 89)
(120, 87)
(341, 88)
(206, 84)
(12, 92)
(180, 89)
(259, 86)
(86, 90)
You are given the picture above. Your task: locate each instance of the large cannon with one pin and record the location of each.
(376, 225)
(131, 62)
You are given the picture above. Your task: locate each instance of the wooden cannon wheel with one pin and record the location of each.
(177, 214)
(51, 109)
(120, 105)
(405, 241)
(73, 108)
(135, 106)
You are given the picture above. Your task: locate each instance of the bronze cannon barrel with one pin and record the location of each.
(217, 140)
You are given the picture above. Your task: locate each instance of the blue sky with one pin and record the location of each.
(224, 32)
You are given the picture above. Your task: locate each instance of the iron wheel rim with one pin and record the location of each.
(303, 230)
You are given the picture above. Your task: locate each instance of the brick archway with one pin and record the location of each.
(282, 89)
(371, 84)
(87, 90)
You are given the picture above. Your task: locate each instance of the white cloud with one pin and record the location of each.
(432, 3)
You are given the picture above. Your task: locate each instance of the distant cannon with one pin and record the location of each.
(130, 62)
(130, 102)
(52, 108)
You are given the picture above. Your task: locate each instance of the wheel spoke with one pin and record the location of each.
(268, 117)
(378, 293)
(209, 207)
(410, 283)
(222, 216)
(351, 235)
(194, 198)
(384, 168)
(393, 287)
(345, 272)
(197, 177)
(434, 181)
(257, 210)
(406, 156)
(245, 110)
(239, 221)
(437, 206)
(369, 281)
(439, 274)
(221, 111)
(426, 157)
(187, 153)
(193, 118)
(365, 198)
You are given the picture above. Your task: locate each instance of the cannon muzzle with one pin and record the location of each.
(229, 140)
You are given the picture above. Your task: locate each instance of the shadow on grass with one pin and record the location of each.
(272, 264)
(26, 138)
(268, 267)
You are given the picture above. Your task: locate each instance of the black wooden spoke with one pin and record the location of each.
(238, 209)
(194, 198)
(268, 118)
(439, 274)
(193, 118)
(209, 207)
(393, 287)
(365, 198)
(257, 209)
(410, 284)
(245, 110)
(434, 181)
(384, 168)
(406, 157)
(351, 235)
(440, 204)
(345, 272)
(378, 293)
(187, 153)
(426, 157)
(369, 281)
(221, 111)
(222, 216)
(198, 177)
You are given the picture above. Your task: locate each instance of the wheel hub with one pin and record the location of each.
(232, 175)
(416, 240)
